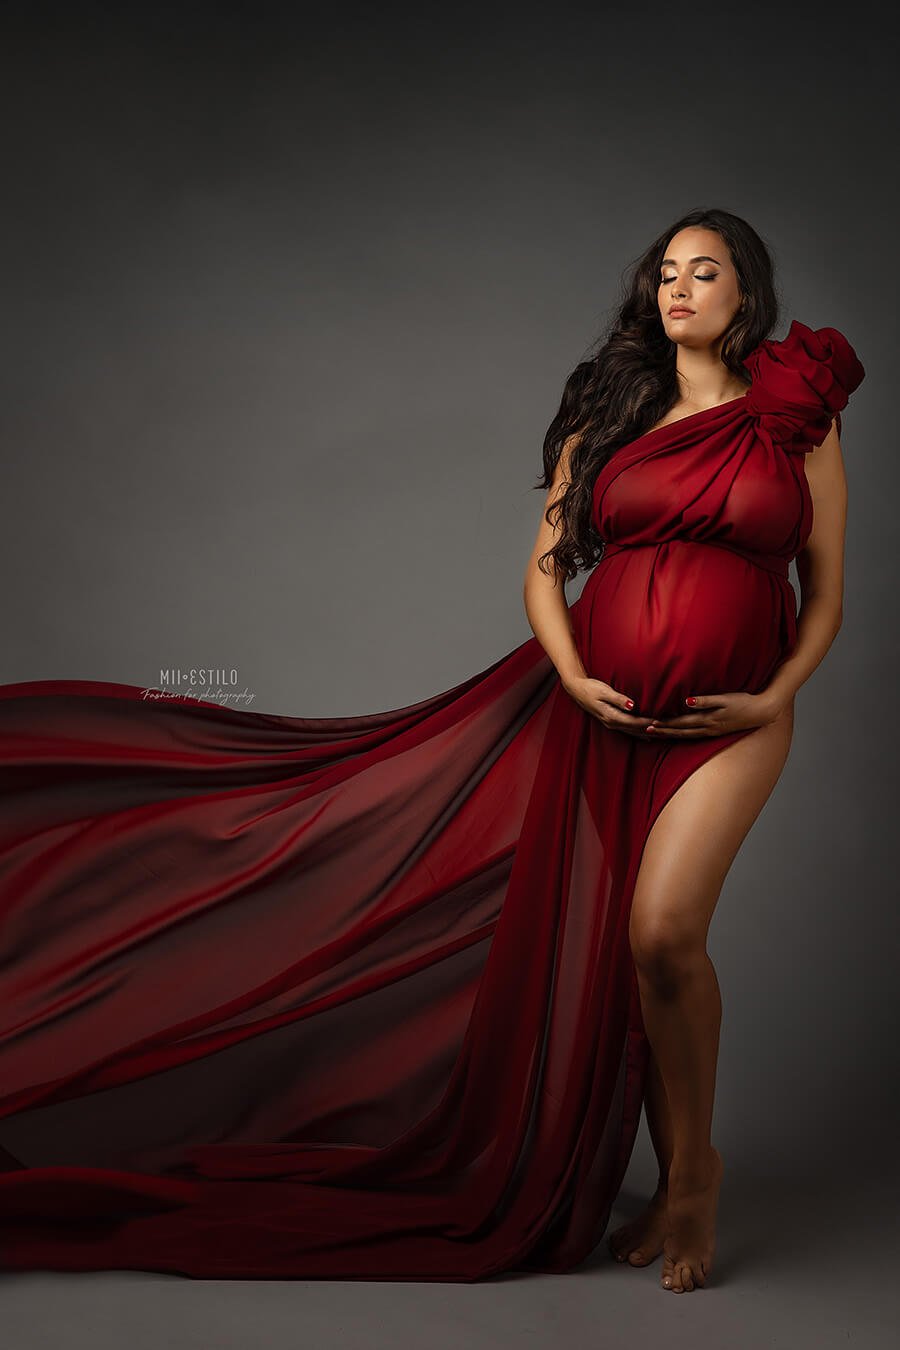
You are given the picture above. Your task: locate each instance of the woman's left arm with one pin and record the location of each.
(820, 569)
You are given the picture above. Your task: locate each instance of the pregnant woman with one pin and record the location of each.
(383, 996)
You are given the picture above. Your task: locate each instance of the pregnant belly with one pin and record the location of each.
(661, 621)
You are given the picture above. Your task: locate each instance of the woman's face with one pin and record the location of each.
(697, 272)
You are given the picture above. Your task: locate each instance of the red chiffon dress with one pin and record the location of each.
(353, 997)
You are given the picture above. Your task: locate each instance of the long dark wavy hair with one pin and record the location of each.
(629, 383)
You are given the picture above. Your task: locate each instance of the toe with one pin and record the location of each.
(636, 1258)
(676, 1283)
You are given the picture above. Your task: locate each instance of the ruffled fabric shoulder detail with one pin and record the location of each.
(799, 384)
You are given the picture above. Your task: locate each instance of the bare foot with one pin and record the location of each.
(690, 1238)
(641, 1241)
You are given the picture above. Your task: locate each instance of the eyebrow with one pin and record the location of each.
(704, 257)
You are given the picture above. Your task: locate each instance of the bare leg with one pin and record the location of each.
(641, 1241)
(686, 858)
(659, 1120)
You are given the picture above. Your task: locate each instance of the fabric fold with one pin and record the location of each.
(800, 384)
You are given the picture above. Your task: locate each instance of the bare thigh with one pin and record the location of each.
(699, 831)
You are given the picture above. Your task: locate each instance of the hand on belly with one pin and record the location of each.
(660, 626)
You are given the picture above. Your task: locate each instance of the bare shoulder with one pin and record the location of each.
(563, 473)
(825, 464)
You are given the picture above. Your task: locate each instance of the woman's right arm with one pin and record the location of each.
(545, 596)
(551, 622)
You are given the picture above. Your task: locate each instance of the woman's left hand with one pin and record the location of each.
(716, 715)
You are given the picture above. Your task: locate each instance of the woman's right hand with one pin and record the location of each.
(608, 706)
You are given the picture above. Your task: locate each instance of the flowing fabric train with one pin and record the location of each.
(353, 997)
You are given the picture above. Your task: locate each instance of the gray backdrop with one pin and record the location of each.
(290, 300)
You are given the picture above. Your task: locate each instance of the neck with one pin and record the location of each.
(703, 380)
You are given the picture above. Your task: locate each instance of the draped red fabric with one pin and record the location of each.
(353, 997)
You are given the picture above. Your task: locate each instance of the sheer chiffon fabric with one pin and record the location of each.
(353, 997)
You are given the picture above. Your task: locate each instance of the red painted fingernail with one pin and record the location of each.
(690, 700)
(630, 702)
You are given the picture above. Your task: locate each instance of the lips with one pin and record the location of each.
(679, 313)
